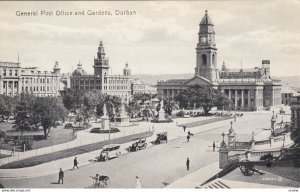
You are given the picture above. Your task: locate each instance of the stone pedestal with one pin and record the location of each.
(223, 159)
(105, 122)
(271, 141)
(123, 119)
(161, 113)
(223, 156)
(105, 119)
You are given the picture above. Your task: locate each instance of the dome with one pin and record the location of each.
(206, 20)
(126, 67)
(79, 71)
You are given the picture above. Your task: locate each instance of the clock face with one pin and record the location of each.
(203, 39)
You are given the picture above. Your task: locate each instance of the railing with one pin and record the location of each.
(236, 158)
(263, 142)
(255, 155)
(242, 145)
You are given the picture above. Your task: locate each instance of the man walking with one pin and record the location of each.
(188, 138)
(75, 163)
(187, 164)
(60, 176)
(214, 146)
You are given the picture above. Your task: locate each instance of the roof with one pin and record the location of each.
(206, 20)
(249, 70)
(79, 71)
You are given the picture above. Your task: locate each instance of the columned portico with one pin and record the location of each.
(243, 97)
(235, 99)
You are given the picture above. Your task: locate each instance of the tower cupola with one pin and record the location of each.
(206, 50)
(126, 70)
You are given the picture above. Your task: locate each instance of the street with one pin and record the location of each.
(156, 166)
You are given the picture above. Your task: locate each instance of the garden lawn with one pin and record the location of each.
(204, 122)
(71, 152)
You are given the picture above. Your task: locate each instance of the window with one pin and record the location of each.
(4, 72)
(16, 72)
(204, 59)
(213, 59)
(10, 72)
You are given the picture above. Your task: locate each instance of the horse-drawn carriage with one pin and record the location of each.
(100, 181)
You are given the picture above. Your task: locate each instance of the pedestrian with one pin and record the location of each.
(13, 151)
(184, 127)
(97, 181)
(75, 163)
(187, 164)
(188, 138)
(60, 176)
(214, 146)
(137, 183)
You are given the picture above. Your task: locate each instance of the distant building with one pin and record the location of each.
(116, 85)
(248, 89)
(287, 94)
(14, 80)
(286, 98)
(295, 111)
(65, 80)
(139, 87)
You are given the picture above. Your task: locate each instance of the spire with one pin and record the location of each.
(242, 64)
(18, 57)
(206, 20)
(101, 44)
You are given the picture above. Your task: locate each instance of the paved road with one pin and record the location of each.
(156, 165)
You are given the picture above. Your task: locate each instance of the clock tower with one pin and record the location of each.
(206, 51)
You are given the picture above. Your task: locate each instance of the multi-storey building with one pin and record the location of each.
(248, 89)
(139, 87)
(116, 85)
(295, 111)
(14, 79)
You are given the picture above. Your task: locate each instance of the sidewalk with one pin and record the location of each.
(196, 178)
(84, 137)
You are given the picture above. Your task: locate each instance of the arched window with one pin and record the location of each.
(213, 59)
(204, 59)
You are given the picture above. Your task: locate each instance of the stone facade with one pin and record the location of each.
(14, 80)
(248, 89)
(139, 87)
(295, 111)
(116, 85)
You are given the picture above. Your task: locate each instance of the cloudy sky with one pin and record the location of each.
(160, 38)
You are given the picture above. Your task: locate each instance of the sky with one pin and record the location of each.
(160, 39)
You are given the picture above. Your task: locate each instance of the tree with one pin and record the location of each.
(202, 96)
(92, 100)
(24, 112)
(47, 111)
(7, 106)
(141, 97)
(72, 99)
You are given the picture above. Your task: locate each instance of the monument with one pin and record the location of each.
(123, 119)
(161, 113)
(231, 137)
(104, 119)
